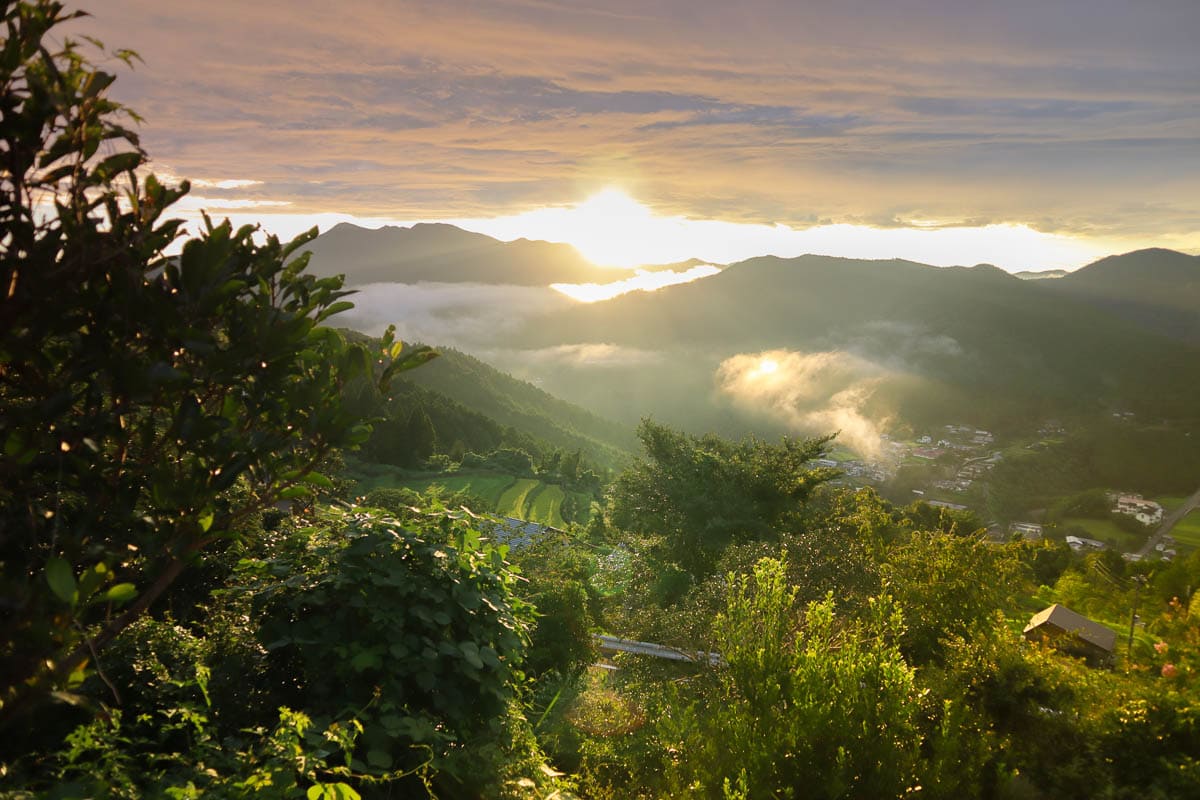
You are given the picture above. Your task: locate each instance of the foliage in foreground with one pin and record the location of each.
(151, 406)
(351, 651)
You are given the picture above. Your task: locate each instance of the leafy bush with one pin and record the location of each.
(149, 406)
(415, 633)
(806, 705)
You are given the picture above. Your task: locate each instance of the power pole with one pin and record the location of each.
(1140, 581)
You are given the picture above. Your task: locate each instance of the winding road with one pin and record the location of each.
(1169, 522)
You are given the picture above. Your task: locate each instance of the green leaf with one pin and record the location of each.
(61, 580)
(121, 594)
(336, 308)
(317, 479)
(92, 579)
(331, 791)
(367, 659)
(15, 444)
(379, 758)
(294, 491)
(470, 652)
(206, 520)
(121, 162)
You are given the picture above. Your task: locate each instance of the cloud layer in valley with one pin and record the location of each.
(812, 393)
(467, 315)
(1078, 117)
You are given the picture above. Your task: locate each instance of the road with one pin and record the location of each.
(1169, 522)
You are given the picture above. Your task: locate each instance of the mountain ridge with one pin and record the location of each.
(444, 253)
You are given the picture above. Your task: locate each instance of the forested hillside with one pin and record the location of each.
(1157, 290)
(945, 343)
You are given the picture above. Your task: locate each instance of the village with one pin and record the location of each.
(949, 468)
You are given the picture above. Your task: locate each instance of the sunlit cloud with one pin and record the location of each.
(811, 393)
(644, 280)
(191, 203)
(613, 229)
(582, 356)
(232, 183)
(1045, 119)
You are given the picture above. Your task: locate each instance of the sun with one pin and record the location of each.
(767, 366)
(612, 229)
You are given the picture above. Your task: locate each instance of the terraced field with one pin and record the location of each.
(515, 499)
(506, 495)
(1187, 532)
(545, 505)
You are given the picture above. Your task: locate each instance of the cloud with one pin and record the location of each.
(1047, 114)
(466, 315)
(812, 393)
(582, 356)
(228, 183)
(644, 280)
(193, 202)
(898, 346)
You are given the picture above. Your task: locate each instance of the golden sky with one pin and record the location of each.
(1026, 133)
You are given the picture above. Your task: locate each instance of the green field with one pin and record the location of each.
(1187, 532)
(546, 505)
(515, 499)
(1105, 531)
(506, 495)
(1168, 503)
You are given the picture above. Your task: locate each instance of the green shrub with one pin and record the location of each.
(416, 633)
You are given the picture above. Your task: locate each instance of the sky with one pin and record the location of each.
(1032, 134)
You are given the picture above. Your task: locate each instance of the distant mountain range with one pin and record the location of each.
(1156, 289)
(844, 342)
(438, 253)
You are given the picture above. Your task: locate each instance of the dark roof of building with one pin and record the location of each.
(1069, 621)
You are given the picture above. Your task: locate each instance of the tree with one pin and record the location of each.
(150, 406)
(701, 494)
(414, 630)
(421, 435)
(806, 705)
(947, 585)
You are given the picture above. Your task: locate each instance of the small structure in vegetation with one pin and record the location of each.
(1072, 633)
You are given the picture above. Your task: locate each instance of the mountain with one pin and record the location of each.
(891, 341)
(486, 408)
(921, 343)
(1155, 289)
(431, 252)
(521, 405)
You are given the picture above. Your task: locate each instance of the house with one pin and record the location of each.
(1028, 530)
(516, 533)
(944, 504)
(1072, 633)
(1144, 511)
(1078, 543)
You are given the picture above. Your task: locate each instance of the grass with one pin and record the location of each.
(1106, 531)
(546, 505)
(1169, 503)
(506, 495)
(1187, 532)
(514, 501)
